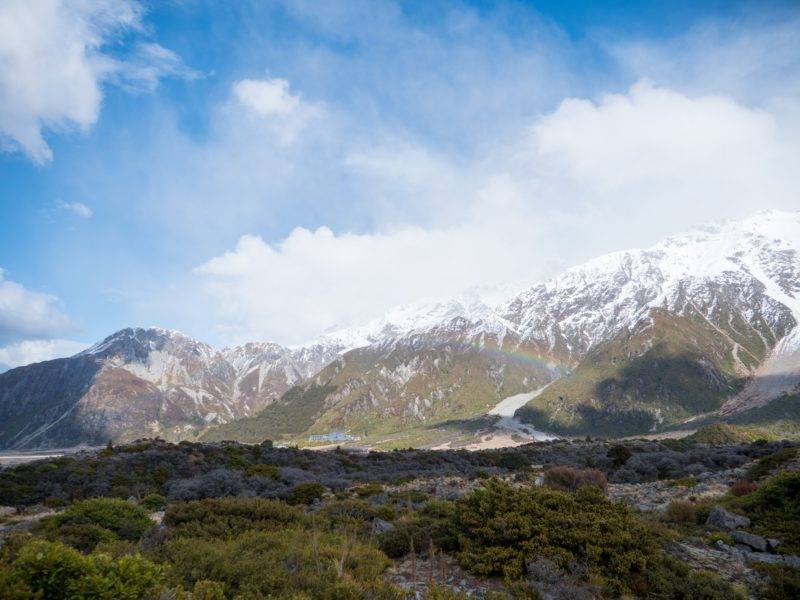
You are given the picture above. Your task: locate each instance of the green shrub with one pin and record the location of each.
(53, 571)
(153, 502)
(226, 517)
(499, 527)
(783, 583)
(720, 536)
(261, 564)
(369, 489)
(767, 464)
(774, 510)
(89, 522)
(306, 493)
(718, 434)
(672, 579)
(687, 482)
(264, 470)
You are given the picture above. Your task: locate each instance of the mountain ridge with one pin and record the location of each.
(721, 300)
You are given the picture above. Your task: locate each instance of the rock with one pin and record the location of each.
(774, 559)
(7, 511)
(381, 526)
(756, 542)
(721, 518)
(772, 544)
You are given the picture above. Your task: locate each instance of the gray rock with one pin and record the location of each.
(722, 519)
(7, 511)
(774, 559)
(381, 526)
(756, 542)
(772, 544)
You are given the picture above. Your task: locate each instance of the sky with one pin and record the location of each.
(271, 170)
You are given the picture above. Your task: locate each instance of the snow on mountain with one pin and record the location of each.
(741, 279)
(756, 261)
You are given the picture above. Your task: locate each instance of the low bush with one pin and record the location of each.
(619, 455)
(295, 562)
(681, 513)
(770, 463)
(499, 527)
(306, 493)
(153, 502)
(264, 470)
(226, 517)
(89, 522)
(743, 487)
(774, 510)
(782, 582)
(567, 479)
(54, 571)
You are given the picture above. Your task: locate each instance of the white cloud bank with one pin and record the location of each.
(30, 326)
(53, 63)
(33, 351)
(27, 313)
(579, 179)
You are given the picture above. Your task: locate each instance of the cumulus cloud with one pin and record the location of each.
(550, 197)
(26, 313)
(652, 145)
(76, 208)
(272, 101)
(53, 61)
(33, 351)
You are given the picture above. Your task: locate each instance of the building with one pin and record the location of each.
(333, 436)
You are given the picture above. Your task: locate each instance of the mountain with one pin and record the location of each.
(660, 335)
(648, 339)
(702, 325)
(145, 382)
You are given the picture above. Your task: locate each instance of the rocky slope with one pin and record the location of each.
(144, 382)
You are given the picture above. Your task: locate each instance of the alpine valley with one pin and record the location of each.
(699, 328)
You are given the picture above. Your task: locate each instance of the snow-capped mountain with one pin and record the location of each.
(750, 266)
(700, 322)
(140, 382)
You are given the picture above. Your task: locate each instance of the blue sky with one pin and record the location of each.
(271, 170)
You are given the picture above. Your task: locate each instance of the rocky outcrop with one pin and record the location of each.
(723, 519)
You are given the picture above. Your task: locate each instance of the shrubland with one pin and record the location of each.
(254, 521)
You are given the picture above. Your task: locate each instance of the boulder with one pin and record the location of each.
(380, 526)
(755, 542)
(723, 519)
(7, 511)
(772, 544)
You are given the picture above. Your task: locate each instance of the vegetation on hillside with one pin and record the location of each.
(660, 374)
(263, 522)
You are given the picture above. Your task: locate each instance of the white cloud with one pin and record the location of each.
(590, 176)
(655, 146)
(267, 97)
(26, 313)
(271, 101)
(32, 351)
(148, 65)
(77, 208)
(52, 65)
